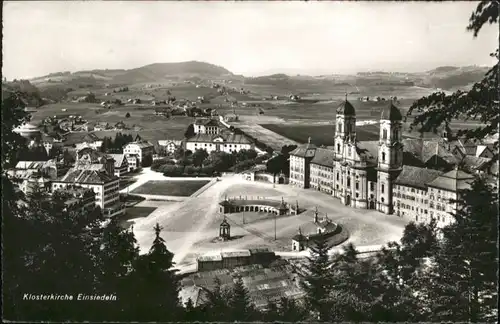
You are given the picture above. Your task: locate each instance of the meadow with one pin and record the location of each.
(320, 134)
(151, 127)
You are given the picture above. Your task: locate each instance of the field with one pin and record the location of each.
(178, 188)
(320, 134)
(269, 138)
(327, 90)
(150, 126)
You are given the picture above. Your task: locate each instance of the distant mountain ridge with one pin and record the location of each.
(445, 77)
(148, 73)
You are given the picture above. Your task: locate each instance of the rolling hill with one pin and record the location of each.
(148, 73)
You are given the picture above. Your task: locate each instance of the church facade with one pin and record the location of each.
(357, 175)
(372, 175)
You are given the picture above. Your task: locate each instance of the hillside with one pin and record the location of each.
(444, 77)
(148, 73)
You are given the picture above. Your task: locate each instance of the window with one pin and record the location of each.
(382, 189)
(383, 157)
(357, 186)
(348, 182)
(383, 200)
(340, 127)
(384, 134)
(338, 148)
(357, 195)
(338, 176)
(372, 187)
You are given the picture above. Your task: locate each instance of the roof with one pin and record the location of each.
(425, 150)
(198, 295)
(452, 181)
(206, 122)
(75, 138)
(301, 150)
(323, 157)
(235, 254)
(25, 165)
(119, 158)
(260, 250)
(95, 156)
(416, 177)
(226, 138)
(346, 108)
(368, 150)
(474, 162)
(141, 144)
(299, 238)
(212, 258)
(166, 142)
(327, 225)
(391, 112)
(245, 202)
(86, 176)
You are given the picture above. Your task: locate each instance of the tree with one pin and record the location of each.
(199, 156)
(240, 304)
(317, 279)
(154, 287)
(189, 131)
(480, 103)
(217, 308)
(463, 283)
(13, 115)
(127, 115)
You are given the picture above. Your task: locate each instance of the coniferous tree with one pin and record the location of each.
(240, 304)
(463, 280)
(290, 310)
(217, 306)
(154, 296)
(318, 279)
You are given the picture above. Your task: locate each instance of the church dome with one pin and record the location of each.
(391, 112)
(346, 108)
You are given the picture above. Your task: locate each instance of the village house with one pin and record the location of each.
(120, 126)
(121, 164)
(132, 162)
(79, 141)
(162, 111)
(223, 143)
(105, 187)
(170, 145)
(101, 126)
(142, 149)
(207, 126)
(78, 198)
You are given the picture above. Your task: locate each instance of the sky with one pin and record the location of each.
(249, 38)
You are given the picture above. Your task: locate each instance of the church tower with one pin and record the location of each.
(345, 128)
(390, 155)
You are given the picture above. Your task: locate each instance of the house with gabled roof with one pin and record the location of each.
(104, 185)
(208, 126)
(170, 145)
(142, 149)
(226, 142)
(120, 164)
